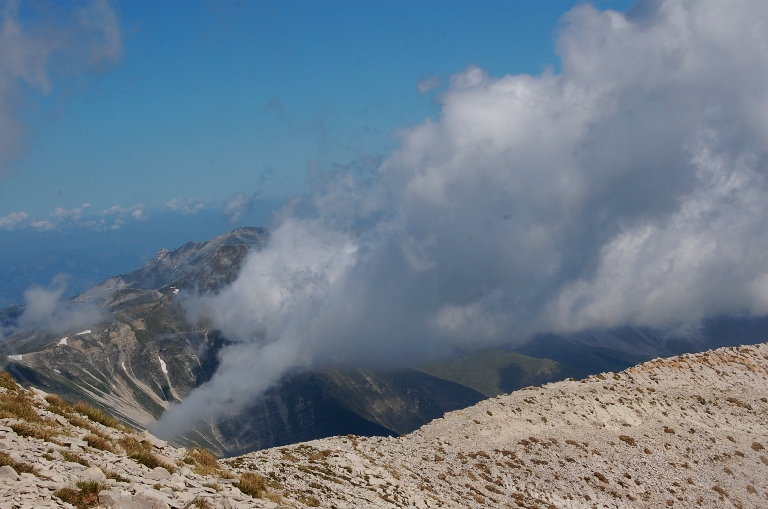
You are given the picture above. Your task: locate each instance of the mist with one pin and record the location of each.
(628, 188)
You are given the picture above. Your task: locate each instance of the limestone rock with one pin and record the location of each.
(93, 474)
(7, 472)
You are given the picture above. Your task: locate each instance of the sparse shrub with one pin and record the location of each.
(757, 446)
(321, 455)
(669, 430)
(18, 466)
(720, 490)
(96, 415)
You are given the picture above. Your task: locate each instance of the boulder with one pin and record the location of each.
(93, 474)
(7, 472)
(148, 500)
(108, 498)
(159, 474)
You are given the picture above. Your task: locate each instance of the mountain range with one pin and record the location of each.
(145, 354)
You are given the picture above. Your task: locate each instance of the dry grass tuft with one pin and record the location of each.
(87, 494)
(7, 381)
(100, 443)
(35, 431)
(74, 458)
(18, 466)
(18, 405)
(204, 462)
(141, 452)
(97, 415)
(252, 484)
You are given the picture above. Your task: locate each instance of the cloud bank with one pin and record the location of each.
(44, 308)
(630, 188)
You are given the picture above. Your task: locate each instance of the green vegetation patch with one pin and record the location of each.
(495, 372)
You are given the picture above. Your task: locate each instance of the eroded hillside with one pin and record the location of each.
(688, 431)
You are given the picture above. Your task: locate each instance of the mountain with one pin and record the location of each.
(686, 431)
(145, 355)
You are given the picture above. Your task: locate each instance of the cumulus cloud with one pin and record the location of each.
(186, 206)
(44, 308)
(38, 43)
(630, 188)
(13, 220)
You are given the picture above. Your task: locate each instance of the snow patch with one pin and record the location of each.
(175, 291)
(88, 331)
(15, 357)
(162, 365)
(56, 371)
(123, 365)
(63, 341)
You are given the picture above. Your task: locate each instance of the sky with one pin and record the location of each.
(178, 114)
(436, 176)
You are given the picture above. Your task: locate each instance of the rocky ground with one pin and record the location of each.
(688, 431)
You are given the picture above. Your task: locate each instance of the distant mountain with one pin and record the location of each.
(146, 355)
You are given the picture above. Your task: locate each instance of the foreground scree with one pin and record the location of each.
(687, 431)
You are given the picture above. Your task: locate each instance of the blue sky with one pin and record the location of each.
(203, 101)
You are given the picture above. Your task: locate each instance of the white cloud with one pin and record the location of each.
(629, 188)
(45, 309)
(80, 39)
(237, 206)
(186, 206)
(427, 84)
(13, 220)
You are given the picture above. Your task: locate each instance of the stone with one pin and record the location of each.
(148, 500)
(7, 472)
(93, 474)
(160, 474)
(108, 498)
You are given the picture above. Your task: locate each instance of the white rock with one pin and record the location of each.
(7, 472)
(93, 474)
(160, 474)
(148, 500)
(108, 498)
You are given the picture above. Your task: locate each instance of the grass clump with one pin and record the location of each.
(35, 431)
(111, 474)
(19, 466)
(141, 452)
(87, 494)
(7, 381)
(58, 405)
(309, 500)
(96, 415)
(18, 405)
(201, 503)
(203, 462)
(99, 443)
(74, 458)
(252, 484)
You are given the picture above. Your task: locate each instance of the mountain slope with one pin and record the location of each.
(687, 431)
